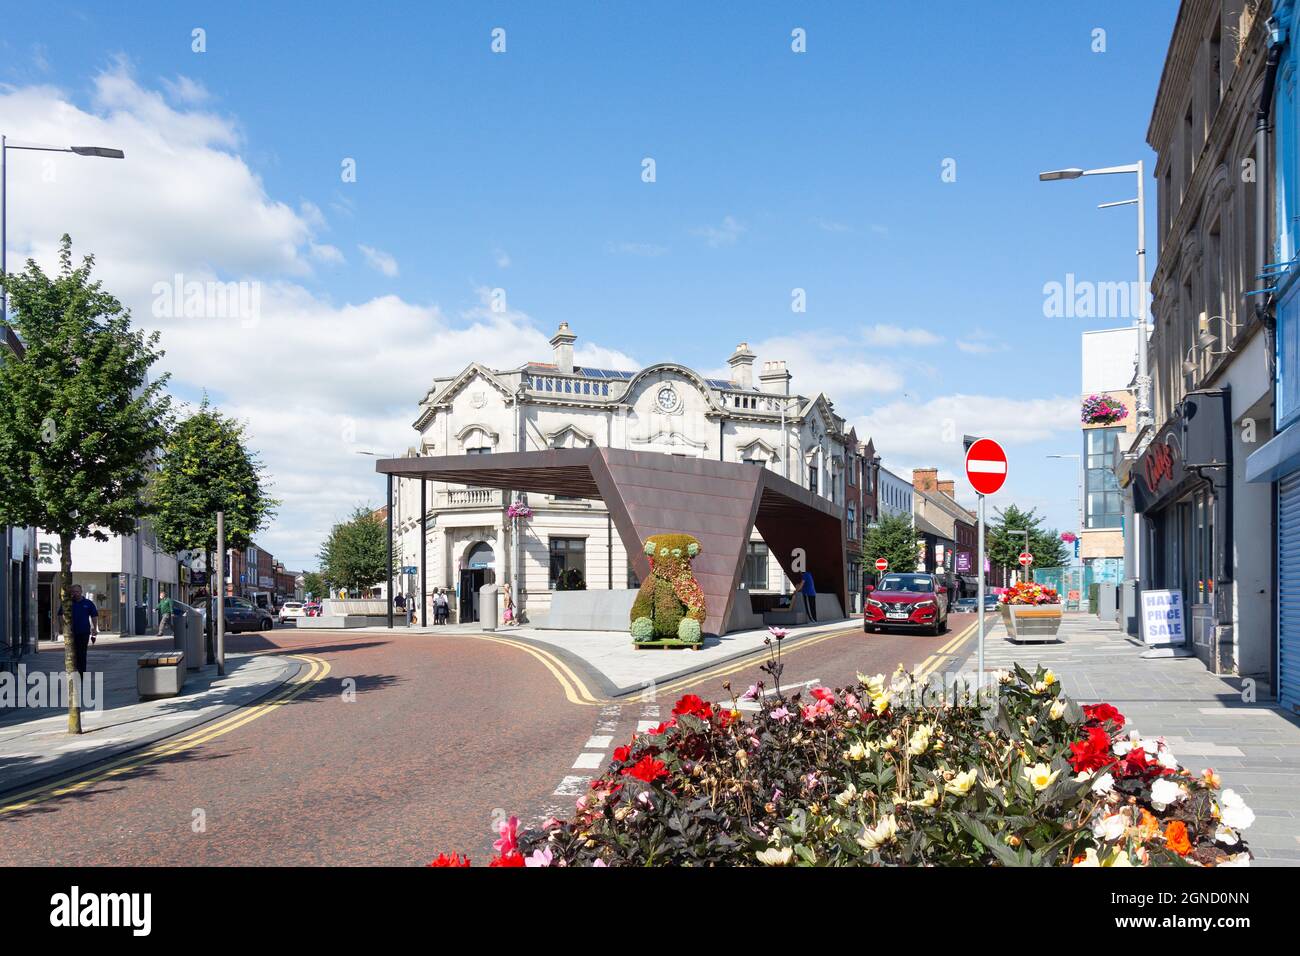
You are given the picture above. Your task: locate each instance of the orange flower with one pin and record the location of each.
(1149, 826)
(1176, 837)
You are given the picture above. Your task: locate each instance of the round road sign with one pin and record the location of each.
(986, 466)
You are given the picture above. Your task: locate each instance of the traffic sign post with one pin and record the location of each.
(1025, 559)
(986, 470)
(882, 565)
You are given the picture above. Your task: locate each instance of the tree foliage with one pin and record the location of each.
(80, 420)
(892, 538)
(1044, 544)
(314, 583)
(355, 555)
(207, 468)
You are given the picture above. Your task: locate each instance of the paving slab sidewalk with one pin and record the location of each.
(34, 743)
(1208, 721)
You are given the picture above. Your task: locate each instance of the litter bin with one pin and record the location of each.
(187, 634)
(487, 607)
(141, 619)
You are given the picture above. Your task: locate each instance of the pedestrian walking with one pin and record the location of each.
(164, 613)
(85, 628)
(441, 607)
(508, 615)
(809, 592)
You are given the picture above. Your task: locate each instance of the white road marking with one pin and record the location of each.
(588, 761)
(599, 742)
(643, 725)
(572, 786)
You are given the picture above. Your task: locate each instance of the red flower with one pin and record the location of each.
(1092, 753)
(510, 858)
(823, 693)
(454, 860)
(647, 769)
(670, 722)
(1135, 764)
(622, 753)
(693, 705)
(1102, 713)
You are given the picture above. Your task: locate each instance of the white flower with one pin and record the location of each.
(1104, 784)
(1057, 710)
(1237, 859)
(1167, 760)
(1110, 828)
(920, 741)
(960, 785)
(775, 857)
(845, 797)
(1164, 792)
(883, 832)
(1234, 812)
(1225, 835)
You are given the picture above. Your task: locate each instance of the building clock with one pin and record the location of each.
(666, 399)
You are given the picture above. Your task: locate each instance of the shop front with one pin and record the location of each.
(1181, 487)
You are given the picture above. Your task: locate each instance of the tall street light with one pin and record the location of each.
(102, 152)
(1143, 379)
(389, 509)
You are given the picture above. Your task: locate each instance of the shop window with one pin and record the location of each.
(567, 555)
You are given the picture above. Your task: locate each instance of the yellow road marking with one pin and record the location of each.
(932, 662)
(77, 781)
(732, 667)
(575, 691)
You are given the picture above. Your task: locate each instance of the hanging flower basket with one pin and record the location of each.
(1069, 537)
(1100, 410)
(518, 509)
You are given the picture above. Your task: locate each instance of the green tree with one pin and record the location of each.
(207, 468)
(355, 555)
(892, 538)
(80, 420)
(1004, 546)
(314, 583)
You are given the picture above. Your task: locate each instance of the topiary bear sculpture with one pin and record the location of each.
(669, 608)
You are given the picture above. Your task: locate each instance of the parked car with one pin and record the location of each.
(243, 616)
(291, 609)
(966, 605)
(311, 609)
(990, 601)
(908, 602)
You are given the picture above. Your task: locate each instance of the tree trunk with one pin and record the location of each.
(69, 645)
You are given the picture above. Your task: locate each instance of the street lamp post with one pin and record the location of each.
(102, 152)
(1079, 459)
(1140, 323)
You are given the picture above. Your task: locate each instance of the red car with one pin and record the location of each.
(908, 602)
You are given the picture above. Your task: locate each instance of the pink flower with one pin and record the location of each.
(777, 632)
(823, 693)
(509, 841)
(539, 858)
(600, 863)
(751, 694)
(813, 712)
(781, 714)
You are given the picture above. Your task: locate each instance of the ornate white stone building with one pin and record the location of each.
(666, 408)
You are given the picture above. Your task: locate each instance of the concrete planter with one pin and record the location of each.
(1031, 622)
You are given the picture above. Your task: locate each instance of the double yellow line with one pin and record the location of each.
(575, 691)
(77, 781)
(931, 663)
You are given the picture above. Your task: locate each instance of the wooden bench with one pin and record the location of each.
(160, 674)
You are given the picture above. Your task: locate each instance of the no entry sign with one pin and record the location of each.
(1026, 558)
(882, 564)
(986, 466)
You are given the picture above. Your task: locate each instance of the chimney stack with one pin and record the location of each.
(742, 366)
(948, 488)
(562, 342)
(775, 377)
(925, 479)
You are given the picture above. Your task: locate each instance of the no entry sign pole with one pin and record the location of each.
(986, 470)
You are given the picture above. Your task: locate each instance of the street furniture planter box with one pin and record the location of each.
(160, 674)
(1031, 622)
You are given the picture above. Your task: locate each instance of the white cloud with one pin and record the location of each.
(724, 235)
(892, 335)
(502, 259)
(826, 362)
(379, 260)
(186, 91)
(912, 434)
(316, 380)
(647, 249)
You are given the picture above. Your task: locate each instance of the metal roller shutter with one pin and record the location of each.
(1288, 591)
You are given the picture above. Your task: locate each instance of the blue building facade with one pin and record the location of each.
(1278, 461)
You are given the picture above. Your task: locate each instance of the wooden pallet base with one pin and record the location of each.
(667, 643)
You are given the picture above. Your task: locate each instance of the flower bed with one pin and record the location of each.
(881, 774)
(1026, 592)
(1100, 410)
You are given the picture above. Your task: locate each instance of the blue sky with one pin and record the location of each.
(522, 171)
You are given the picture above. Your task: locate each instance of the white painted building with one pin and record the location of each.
(894, 494)
(662, 408)
(119, 575)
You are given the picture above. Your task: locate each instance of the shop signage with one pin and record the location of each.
(963, 562)
(1158, 467)
(1162, 618)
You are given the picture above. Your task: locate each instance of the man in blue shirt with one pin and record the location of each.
(85, 626)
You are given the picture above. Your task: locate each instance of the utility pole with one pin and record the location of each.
(221, 596)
